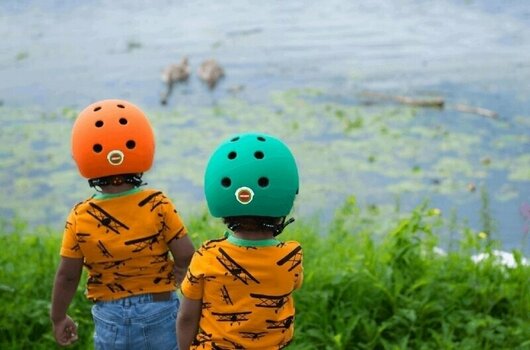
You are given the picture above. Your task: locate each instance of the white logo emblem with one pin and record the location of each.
(115, 157)
(244, 195)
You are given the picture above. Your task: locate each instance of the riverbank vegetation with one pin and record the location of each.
(366, 286)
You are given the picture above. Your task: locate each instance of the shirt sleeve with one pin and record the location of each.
(193, 285)
(70, 246)
(174, 225)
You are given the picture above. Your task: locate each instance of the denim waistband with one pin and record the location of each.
(139, 299)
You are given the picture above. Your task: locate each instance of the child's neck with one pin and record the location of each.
(253, 235)
(112, 189)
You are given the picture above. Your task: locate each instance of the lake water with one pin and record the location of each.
(294, 69)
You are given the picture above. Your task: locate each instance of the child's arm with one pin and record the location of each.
(188, 321)
(182, 250)
(65, 286)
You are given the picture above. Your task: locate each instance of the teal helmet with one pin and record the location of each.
(251, 174)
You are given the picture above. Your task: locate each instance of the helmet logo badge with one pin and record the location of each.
(115, 157)
(244, 195)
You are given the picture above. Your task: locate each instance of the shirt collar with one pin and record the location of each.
(100, 195)
(251, 242)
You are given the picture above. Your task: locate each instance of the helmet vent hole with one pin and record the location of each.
(235, 139)
(226, 182)
(123, 121)
(259, 155)
(232, 155)
(263, 182)
(121, 106)
(261, 138)
(97, 148)
(99, 123)
(130, 144)
(97, 108)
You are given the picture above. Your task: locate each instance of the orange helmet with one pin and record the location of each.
(112, 137)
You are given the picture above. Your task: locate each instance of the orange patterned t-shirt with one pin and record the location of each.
(123, 240)
(246, 290)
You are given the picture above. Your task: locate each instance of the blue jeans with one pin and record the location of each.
(136, 322)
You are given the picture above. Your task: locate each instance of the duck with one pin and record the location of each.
(210, 71)
(172, 74)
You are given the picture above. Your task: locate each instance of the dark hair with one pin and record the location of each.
(257, 223)
(252, 223)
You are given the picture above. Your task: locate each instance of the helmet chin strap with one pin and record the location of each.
(233, 226)
(117, 180)
(278, 228)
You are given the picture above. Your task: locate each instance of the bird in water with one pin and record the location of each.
(210, 72)
(173, 74)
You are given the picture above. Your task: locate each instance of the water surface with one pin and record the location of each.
(294, 69)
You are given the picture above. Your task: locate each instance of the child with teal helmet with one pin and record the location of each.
(238, 289)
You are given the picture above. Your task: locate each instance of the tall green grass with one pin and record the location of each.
(400, 293)
(368, 285)
(27, 269)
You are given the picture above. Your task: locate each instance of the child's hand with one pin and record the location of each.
(65, 331)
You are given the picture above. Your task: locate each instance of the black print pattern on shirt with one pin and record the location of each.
(104, 251)
(143, 242)
(163, 225)
(192, 278)
(294, 257)
(196, 279)
(235, 345)
(75, 247)
(95, 279)
(154, 199)
(105, 219)
(116, 287)
(252, 335)
(81, 237)
(209, 245)
(234, 268)
(205, 306)
(120, 276)
(271, 301)
(226, 296)
(116, 264)
(162, 258)
(232, 317)
(170, 277)
(281, 324)
(202, 337)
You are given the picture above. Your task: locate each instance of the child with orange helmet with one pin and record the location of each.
(238, 292)
(131, 240)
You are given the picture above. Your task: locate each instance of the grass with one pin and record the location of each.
(367, 286)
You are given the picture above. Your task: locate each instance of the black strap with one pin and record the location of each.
(116, 180)
(278, 228)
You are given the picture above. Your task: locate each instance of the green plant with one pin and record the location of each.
(367, 285)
